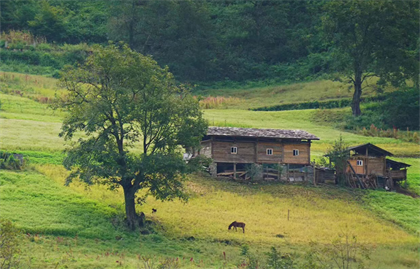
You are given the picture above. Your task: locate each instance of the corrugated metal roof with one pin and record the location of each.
(268, 133)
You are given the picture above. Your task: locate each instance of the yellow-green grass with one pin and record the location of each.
(30, 135)
(31, 83)
(293, 93)
(316, 214)
(17, 107)
(65, 229)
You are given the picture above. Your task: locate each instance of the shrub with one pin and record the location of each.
(276, 260)
(9, 243)
(8, 161)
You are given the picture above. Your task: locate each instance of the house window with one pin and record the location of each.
(295, 152)
(269, 151)
(359, 163)
(234, 150)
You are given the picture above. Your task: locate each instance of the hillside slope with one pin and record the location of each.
(81, 227)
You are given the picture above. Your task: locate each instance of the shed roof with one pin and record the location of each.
(396, 165)
(372, 150)
(268, 133)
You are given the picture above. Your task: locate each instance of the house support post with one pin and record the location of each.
(234, 170)
(213, 169)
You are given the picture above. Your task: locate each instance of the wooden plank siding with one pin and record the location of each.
(206, 148)
(302, 158)
(358, 169)
(262, 156)
(256, 152)
(222, 153)
(376, 166)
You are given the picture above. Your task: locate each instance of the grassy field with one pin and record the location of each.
(284, 94)
(81, 227)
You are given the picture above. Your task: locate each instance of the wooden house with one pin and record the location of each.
(233, 150)
(369, 160)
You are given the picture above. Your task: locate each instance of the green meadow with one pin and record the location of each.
(81, 226)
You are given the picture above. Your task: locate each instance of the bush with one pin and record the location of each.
(9, 243)
(9, 162)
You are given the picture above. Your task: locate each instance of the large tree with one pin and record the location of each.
(373, 38)
(133, 122)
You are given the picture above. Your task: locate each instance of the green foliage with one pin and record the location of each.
(277, 260)
(117, 98)
(343, 253)
(367, 42)
(9, 244)
(10, 161)
(339, 155)
(401, 110)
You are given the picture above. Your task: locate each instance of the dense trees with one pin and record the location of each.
(116, 99)
(240, 40)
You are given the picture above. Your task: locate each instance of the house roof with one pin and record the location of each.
(372, 150)
(268, 133)
(396, 165)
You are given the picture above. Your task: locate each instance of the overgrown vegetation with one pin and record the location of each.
(11, 161)
(9, 245)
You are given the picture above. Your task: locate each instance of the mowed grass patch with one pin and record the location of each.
(38, 205)
(30, 135)
(17, 107)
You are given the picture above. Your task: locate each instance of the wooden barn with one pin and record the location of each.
(369, 163)
(281, 154)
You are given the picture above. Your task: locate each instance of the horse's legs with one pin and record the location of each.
(243, 228)
(235, 228)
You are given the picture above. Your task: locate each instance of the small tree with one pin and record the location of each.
(9, 244)
(135, 121)
(343, 253)
(339, 155)
(277, 260)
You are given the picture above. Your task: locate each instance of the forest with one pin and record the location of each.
(208, 41)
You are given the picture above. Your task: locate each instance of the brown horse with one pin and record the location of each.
(236, 224)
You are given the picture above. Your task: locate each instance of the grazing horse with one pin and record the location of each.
(236, 224)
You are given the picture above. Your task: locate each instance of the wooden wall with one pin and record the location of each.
(302, 158)
(255, 152)
(376, 166)
(206, 148)
(221, 152)
(357, 169)
(262, 156)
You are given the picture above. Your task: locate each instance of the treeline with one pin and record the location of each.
(199, 40)
(238, 40)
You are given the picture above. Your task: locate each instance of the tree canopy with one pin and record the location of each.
(135, 121)
(374, 38)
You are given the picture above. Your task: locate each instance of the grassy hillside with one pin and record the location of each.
(79, 227)
(270, 95)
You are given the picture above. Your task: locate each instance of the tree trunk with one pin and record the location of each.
(355, 105)
(133, 220)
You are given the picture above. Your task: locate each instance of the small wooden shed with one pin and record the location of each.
(368, 161)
